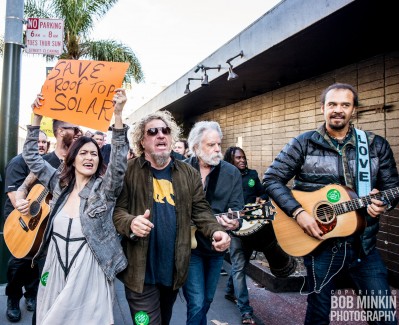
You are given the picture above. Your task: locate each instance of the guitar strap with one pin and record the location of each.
(363, 179)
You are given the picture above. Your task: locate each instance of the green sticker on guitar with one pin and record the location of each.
(333, 196)
(43, 279)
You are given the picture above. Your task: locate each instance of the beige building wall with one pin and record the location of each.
(264, 124)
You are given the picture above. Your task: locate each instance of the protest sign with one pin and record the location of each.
(81, 92)
(46, 125)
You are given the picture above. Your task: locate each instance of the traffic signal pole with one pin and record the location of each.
(9, 109)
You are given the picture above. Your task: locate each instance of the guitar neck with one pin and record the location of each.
(42, 195)
(231, 215)
(363, 202)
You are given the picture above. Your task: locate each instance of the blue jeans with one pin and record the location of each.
(200, 286)
(368, 274)
(237, 283)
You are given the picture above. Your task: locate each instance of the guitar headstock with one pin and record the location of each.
(264, 210)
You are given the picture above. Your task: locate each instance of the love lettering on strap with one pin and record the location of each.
(363, 164)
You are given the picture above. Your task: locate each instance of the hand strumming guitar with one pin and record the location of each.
(308, 224)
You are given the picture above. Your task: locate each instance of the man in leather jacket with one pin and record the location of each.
(328, 156)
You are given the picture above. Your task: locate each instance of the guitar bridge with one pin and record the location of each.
(23, 224)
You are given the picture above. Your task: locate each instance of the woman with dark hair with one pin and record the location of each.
(82, 246)
(262, 239)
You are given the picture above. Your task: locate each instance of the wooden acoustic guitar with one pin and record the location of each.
(262, 212)
(23, 234)
(335, 209)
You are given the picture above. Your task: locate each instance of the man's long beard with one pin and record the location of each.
(161, 159)
(212, 159)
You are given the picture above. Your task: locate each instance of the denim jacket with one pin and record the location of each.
(97, 201)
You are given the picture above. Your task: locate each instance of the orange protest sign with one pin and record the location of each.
(81, 92)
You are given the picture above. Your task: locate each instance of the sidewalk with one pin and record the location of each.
(269, 308)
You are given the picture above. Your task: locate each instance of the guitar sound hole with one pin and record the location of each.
(34, 208)
(325, 213)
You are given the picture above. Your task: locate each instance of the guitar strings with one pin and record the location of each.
(355, 204)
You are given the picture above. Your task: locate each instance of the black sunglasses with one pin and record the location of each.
(74, 128)
(154, 131)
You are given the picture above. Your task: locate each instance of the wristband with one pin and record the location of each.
(297, 214)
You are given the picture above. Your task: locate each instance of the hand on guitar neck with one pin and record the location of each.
(226, 222)
(311, 228)
(376, 207)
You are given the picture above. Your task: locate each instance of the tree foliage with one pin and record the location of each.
(79, 18)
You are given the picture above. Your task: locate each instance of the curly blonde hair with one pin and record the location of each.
(139, 129)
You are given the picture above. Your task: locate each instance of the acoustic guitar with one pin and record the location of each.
(259, 212)
(334, 208)
(23, 234)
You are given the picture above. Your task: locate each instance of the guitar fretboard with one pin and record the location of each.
(363, 202)
(231, 215)
(42, 195)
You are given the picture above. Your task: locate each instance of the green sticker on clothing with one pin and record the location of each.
(251, 182)
(333, 196)
(43, 279)
(141, 318)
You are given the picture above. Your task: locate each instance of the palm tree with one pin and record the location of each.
(79, 17)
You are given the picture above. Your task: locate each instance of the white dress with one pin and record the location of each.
(77, 290)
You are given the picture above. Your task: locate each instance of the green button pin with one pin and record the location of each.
(43, 279)
(141, 318)
(251, 183)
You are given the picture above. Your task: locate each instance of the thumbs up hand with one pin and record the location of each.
(141, 225)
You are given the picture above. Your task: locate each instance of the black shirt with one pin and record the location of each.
(15, 174)
(252, 188)
(106, 153)
(52, 159)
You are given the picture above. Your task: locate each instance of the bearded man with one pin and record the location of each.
(338, 153)
(160, 199)
(221, 183)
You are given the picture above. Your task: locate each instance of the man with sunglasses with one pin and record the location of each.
(160, 199)
(64, 134)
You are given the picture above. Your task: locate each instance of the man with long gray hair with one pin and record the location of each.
(221, 182)
(161, 197)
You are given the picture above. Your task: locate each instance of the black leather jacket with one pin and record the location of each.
(313, 162)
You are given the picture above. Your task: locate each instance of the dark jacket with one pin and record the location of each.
(223, 192)
(97, 201)
(313, 162)
(251, 186)
(228, 189)
(190, 205)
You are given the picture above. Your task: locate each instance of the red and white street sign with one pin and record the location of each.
(44, 36)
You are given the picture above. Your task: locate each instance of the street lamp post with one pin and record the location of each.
(9, 109)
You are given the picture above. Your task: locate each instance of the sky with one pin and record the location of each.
(168, 37)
